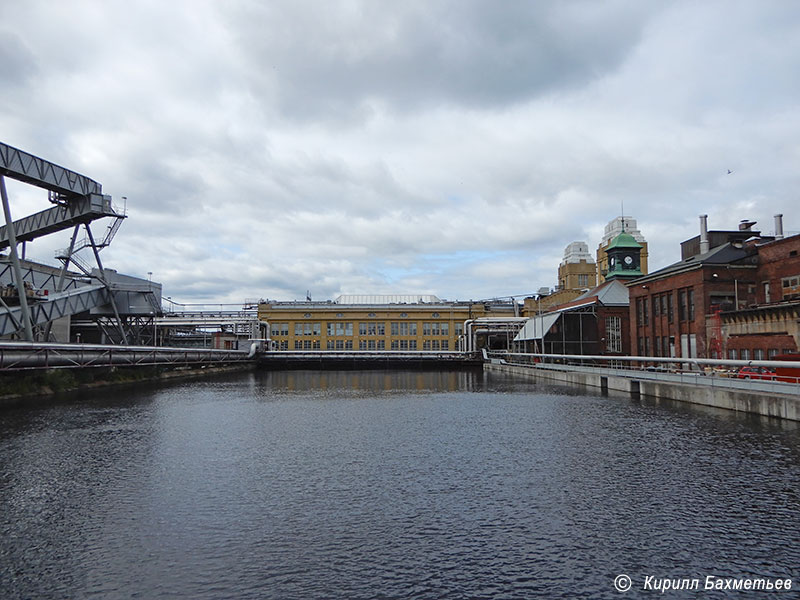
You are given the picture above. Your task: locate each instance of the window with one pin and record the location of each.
(758, 354)
(370, 328)
(279, 329)
(583, 280)
(657, 346)
(395, 345)
(669, 307)
(656, 305)
(445, 329)
(445, 345)
(370, 344)
(682, 305)
(283, 345)
(691, 304)
(772, 353)
(315, 345)
(298, 329)
(790, 287)
(362, 344)
(613, 334)
(665, 346)
(745, 354)
(412, 344)
(426, 344)
(381, 344)
(340, 328)
(434, 344)
(298, 344)
(395, 329)
(348, 344)
(459, 328)
(663, 304)
(732, 354)
(403, 344)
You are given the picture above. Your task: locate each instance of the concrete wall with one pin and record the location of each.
(760, 403)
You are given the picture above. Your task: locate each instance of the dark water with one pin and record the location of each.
(387, 485)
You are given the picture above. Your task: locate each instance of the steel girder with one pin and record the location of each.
(80, 210)
(72, 302)
(22, 166)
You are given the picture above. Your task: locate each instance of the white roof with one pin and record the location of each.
(537, 327)
(387, 299)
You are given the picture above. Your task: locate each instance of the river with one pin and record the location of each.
(387, 485)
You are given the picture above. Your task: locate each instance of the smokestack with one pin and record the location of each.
(778, 227)
(704, 234)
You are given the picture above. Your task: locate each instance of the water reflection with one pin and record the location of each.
(393, 485)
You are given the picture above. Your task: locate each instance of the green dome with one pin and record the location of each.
(623, 240)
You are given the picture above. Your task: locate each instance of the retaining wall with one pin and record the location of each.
(783, 406)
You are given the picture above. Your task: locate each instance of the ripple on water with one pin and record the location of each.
(313, 485)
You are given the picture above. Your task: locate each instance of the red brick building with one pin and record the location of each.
(733, 291)
(772, 325)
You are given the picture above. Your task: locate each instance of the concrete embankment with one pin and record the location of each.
(18, 389)
(766, 403)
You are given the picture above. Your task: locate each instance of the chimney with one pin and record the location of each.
(779, 227)
(704, 234)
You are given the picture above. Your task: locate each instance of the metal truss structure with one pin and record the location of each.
(74, 301)
(22, 166)
(116, 302)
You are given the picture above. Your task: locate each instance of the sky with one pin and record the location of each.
(274, 149)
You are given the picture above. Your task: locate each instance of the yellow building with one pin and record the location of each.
(577, 270)
(576, 274)
(374, 322)
(613, 229)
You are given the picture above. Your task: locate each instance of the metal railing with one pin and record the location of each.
(21, 356)
(722, 373)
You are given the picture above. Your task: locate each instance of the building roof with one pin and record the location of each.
(387, 299)
(721, 255)
(611, 292)
(623, 240)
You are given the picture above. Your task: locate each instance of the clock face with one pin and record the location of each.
(612, 261)
(628, 260)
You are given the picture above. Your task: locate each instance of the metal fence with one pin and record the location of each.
(695, 371)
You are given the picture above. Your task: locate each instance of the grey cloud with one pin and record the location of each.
(17, 63)
(419, 54)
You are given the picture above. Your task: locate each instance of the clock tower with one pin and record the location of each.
(624, 257)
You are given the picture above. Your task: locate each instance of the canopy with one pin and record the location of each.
(537, 327)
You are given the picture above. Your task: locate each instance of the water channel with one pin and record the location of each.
(387, 485)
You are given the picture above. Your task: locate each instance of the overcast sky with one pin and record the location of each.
(269, 148)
